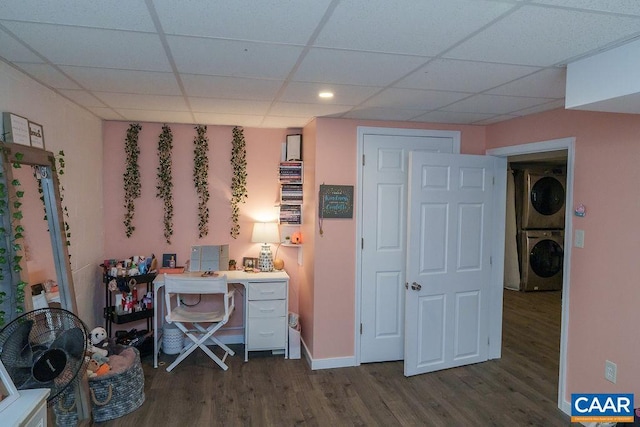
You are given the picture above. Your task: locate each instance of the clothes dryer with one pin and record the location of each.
(542, 260)
(543, 201)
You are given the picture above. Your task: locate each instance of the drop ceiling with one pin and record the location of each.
(262, 63)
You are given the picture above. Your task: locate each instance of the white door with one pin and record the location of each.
(383, 262)
(450, 226)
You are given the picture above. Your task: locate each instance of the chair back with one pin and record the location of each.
(177, 284)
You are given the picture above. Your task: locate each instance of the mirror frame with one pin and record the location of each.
(45, 166)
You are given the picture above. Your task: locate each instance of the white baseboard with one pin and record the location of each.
(329, 363)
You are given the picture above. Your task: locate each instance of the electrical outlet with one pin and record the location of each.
(610, 371)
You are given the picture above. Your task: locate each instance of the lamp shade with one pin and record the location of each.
(265, 232)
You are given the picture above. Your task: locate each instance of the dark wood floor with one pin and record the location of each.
(519, 389)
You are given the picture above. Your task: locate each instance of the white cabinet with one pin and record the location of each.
(29, 410)
(267, 304)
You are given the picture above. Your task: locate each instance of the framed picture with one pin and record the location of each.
(36, 134)
(249, 263)
(16, 129)
(8, 391)
(336, 201)
(294, 147)
(166, 260)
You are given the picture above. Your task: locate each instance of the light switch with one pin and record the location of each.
(579, 239)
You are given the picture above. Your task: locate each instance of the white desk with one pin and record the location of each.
(266, 305)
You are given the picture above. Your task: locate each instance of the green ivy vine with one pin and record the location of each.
(238, 179)
(165, 182)
(131, 176)
(59, 164)
(17, 234)
(201, 177)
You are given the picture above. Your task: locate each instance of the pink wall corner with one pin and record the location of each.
(334, 277)
(309, 224)
(604, 296)
(263, 155)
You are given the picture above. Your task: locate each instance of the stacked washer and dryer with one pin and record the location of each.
(540, 216)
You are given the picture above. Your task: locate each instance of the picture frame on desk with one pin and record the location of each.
(249, 263)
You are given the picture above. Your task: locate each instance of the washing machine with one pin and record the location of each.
(541, 260)
(543, 198)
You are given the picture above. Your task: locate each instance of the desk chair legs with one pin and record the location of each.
(199, 341)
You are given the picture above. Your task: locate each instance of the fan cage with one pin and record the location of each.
(47, 328)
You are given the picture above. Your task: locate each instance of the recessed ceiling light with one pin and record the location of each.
(325, 94)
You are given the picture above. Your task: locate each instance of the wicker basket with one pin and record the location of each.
(118, 393)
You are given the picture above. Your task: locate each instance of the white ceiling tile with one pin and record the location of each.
(355, 68)
(82, 97)
(540, 108)
(13, 51)
(285, 122)
(155, 116)
(381, 114)
(149, 102)
(228, 119)
(414, 99)
(105, 113)
(103, 14)
(48, 75)
(229, 106)
(540, 36)
(125, 81)
(343, 94)
(280, 21)
(230, 87)
(627, 7)
(451, 117)
(463, 76)
(306, 110)
(495, 119)
(195, 55)
(494, 104)
(407, 26)
(94, 47)
(548, 83)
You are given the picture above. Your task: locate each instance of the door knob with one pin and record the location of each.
(416, 286)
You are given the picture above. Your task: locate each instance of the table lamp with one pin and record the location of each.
(265, 233)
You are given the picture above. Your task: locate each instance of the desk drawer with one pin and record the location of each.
(266, 333)
(267, 308)
(267, 290)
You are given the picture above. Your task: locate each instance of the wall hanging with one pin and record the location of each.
(201, 177)
(165, 180)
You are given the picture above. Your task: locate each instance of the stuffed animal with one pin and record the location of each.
(101, 342)
(97, 336)
(95, 367)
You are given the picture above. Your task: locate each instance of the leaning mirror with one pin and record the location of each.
(27, 172)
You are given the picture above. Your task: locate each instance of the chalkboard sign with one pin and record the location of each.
(336, 201)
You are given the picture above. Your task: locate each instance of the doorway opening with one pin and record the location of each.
(561, 151)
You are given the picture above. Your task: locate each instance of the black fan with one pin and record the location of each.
(44, 348)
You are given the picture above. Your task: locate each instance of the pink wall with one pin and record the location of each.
(333, 288)
(263, 156)
(604, 294)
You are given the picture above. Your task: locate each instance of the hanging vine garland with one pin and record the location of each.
(131, 176)
(165, 182)
(238, 179)
(201, 177)
(11, 247)
(58, 164)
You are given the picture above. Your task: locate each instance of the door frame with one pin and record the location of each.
(368, 130)
(561, 144)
